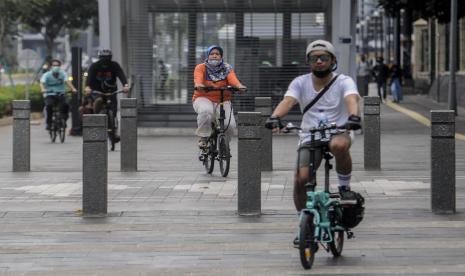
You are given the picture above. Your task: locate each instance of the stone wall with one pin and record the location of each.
(439, 91)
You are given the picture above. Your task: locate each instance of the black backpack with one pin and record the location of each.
(352, 215)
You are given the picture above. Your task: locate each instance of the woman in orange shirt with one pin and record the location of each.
(213, 72)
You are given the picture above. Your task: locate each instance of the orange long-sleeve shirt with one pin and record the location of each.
(214, 96)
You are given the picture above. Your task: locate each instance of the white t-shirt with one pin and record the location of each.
(331, 106)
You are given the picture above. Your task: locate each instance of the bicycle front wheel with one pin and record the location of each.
(337, 244)
(209, 156)
(307, 244)
(53, 130)
(224, 155)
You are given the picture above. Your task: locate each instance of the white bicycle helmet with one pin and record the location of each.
(104, 53)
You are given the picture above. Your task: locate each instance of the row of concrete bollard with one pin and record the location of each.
(254, 152)
(22, 135)
(254, 149)
(442, 152)
(95, 150)
(443, 161)
(95, 155)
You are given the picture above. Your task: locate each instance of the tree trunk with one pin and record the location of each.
(407, 53)
(2, 37)
(49, 41)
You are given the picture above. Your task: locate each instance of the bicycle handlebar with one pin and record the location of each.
(106, 93)
(52, 91)
(331, 127)
(317, 134)
(216, 88)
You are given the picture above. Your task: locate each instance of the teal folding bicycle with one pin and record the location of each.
(321, 221)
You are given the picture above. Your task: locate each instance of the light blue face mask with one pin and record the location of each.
(56, 69)
(214, 62)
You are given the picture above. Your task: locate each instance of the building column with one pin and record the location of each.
(110, 23)
(191, 62)
(286, 42)
(441, 48)
(140, 49)
(344, 15)
(432, 51)
(418, 27)
(462, 44)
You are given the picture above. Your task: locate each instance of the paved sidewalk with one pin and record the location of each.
(170, 218)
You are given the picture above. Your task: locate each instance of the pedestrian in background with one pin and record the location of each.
(396, 83)
(381, 73)
(162, 78)
(363, 76)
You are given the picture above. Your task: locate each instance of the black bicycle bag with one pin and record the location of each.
(352, 214)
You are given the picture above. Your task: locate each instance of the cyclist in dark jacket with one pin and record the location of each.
(102, 76)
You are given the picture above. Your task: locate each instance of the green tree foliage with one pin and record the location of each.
(439, 9)
(50, 17)
(9, 13)
(10, 93)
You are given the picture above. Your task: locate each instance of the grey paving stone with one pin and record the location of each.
(156, 226)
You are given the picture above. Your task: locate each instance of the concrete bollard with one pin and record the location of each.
(128, 134)
(443, 161)
(21, 136)
(95, 165)
(263, 105)
(249, 168)
(372, 133)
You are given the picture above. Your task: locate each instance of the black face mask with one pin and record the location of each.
(106, 60)
(322, 74)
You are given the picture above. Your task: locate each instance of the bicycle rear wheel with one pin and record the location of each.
(224, 155)
(337, 244)
(209, 156)
(53, 129)
(62, 130)
(307, 244)
(53, 135)
(111, 129)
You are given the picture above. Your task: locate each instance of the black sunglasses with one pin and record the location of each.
(315, 58)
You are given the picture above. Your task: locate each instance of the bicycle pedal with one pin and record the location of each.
(295, 242)
(350, 235)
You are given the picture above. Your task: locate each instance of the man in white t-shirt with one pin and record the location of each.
(339, 104)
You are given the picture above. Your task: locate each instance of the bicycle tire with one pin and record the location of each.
(53, 135)
(53, 129)
(224, 155)
(337, 244)
(307, 244)
(111, 129)
(209, 158)
(62, 130)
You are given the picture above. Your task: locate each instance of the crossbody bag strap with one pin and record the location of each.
(319, 95)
